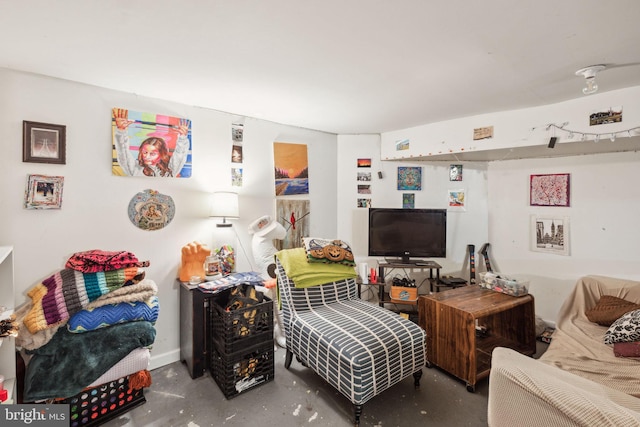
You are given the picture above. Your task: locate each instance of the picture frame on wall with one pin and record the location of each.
(43, 192)
(550, 190)
(408, 200)
(550, 234)
(409, 178)
(43, 142)
(456, 200)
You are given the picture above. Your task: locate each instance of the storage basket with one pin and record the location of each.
(235, 330)
(100, 404)
(500, 283)
(244, 370)
(403, 294)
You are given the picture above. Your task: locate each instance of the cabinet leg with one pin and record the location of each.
(471, 388)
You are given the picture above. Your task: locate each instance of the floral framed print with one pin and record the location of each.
(550, 190)
(550, 234)
(43, 192)
(43, 143)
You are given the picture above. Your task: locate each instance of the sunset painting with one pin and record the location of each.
(291, 167)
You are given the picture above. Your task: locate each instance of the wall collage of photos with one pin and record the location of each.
(409, 178)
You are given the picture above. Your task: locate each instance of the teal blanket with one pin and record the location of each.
(70, 362)
(305, 274)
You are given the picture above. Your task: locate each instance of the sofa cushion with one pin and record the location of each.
(328, 251)
(627, 349)
(609, 309)
(625, 329)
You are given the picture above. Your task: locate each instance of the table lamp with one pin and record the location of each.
(224, 204)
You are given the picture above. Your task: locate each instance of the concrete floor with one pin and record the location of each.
(299, 397)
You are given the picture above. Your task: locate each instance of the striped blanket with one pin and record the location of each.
(67, 292)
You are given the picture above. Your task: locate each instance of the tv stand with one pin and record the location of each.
(434, 277)
(408, 263)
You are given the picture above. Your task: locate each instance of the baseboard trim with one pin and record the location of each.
(159, 360)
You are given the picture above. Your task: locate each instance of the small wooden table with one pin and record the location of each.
(454, 321)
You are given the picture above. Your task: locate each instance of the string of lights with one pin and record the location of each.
(595, 136)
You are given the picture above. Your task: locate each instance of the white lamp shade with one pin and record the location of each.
(224, 204)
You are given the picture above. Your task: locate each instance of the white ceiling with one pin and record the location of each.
(340, 66)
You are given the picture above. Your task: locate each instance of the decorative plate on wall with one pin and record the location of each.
(150, 210)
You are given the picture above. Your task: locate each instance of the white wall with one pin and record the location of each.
(604, 195)
(94, 207)
(463, 227)
(603, 223)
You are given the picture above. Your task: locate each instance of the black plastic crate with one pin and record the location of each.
(244, 370)
(235, 330)
(100, 404)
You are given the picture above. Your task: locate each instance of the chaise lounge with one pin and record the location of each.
(358, 347)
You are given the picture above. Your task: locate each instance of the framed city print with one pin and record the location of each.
(550, 234)
(43, 143)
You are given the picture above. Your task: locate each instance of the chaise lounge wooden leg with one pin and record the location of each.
(357, 409)
(416, 379)
(288, 358)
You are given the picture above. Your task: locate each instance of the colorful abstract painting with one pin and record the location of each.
(550, 190)
(149, 144)
(408, 200)
(409, 178)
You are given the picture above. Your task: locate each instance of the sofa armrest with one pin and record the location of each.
(526, 392)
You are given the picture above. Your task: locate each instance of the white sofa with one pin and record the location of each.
(578, 381)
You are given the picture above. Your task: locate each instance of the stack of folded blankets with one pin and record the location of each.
(88, 324)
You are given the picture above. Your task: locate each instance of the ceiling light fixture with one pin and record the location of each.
(589, 73)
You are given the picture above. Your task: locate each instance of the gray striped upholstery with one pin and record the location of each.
(358, 347)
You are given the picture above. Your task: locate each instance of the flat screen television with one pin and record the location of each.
(403, 234)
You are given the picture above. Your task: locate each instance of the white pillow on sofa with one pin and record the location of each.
(625, 329)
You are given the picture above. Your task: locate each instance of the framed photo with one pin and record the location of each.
(550, 234)
(550, 190)
(43, 192)
(43, 143)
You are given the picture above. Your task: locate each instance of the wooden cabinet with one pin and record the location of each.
(7, 301)
(464, 325)
(194, 349)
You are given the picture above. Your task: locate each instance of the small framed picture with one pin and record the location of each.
(43, 143)
(43, 192)
(408, 200)
(550, 234)
(457, 200)
(455, 172)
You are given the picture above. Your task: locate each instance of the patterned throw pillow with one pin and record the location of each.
(328, 251)
(609, 309)
(625, 329)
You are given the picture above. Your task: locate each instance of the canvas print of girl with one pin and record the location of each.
(147, 144)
